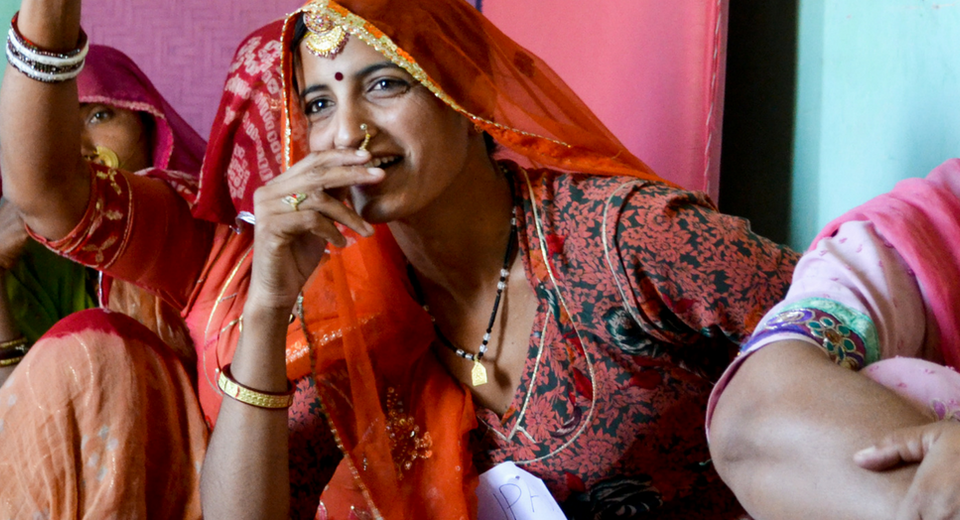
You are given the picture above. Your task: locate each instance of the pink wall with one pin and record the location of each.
(184, 46)
(651, 69)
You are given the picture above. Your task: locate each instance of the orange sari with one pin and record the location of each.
(100, 420)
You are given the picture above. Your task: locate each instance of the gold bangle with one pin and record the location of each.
(11, 361)
(13, 343)
(253, 397)
(14, 352)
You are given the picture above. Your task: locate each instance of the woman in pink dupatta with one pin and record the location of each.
(878, 293)
(101, 419)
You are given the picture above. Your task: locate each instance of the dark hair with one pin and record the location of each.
(299, 32)
(149, 132)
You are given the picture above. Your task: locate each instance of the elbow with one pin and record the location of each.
(733, 441)
(746, 432)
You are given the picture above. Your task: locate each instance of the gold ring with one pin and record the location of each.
(366, 136)
(294, 200)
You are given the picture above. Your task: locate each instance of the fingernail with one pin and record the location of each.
(375, 172)
(865, 453)
(362, 153)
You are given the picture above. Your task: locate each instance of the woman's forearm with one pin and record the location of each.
(43, 170)
(246, 470)
(785, 430)
(8, 326)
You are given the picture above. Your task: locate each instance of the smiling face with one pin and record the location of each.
(118, 129)
(423, 146)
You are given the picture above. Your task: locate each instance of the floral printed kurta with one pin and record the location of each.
(650, 294)
(624, 348)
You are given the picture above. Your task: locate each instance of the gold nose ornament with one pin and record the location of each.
(366, 136)
(106, 157)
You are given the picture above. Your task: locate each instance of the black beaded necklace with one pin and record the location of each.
(479, 373)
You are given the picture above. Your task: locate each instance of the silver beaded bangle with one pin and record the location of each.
(42, 65)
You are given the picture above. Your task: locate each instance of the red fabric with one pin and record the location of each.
(245, 142)
(921, 220)
(111, 78)
(503, 88)
(129, 219)
(609, 408)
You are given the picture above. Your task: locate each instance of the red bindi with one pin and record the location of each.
(338, 76)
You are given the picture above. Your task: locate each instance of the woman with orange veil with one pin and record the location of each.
(623, 295)
(559, 307)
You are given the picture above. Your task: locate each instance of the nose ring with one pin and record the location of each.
(366, 136)
(107, 157)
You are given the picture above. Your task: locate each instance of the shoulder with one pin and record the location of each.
(548, 185)
(574, 196)
(621, 208)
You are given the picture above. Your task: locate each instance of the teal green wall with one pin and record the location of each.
(878, 100)
(7, 8)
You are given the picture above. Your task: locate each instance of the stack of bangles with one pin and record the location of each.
(246, 395)
(12, 352)
(42, 65)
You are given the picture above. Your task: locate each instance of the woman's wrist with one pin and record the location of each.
(260, 359)
(51, 24)
(267, 316)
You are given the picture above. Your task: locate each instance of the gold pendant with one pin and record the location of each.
(479, 373)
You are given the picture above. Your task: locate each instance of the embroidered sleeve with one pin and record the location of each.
(692, 272)
(101, 234)
(140, 230)
(854, 296)
(846, 335)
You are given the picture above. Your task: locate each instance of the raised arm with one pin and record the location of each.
(44, 174)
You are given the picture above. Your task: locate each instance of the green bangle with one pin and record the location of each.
(13, 343)
(14, 352)
(10, 361)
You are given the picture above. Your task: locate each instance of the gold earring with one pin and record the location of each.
(107, 157)
(366, 136)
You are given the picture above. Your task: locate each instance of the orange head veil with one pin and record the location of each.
(401, 419)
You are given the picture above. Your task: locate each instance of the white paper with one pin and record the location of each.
(507, 492)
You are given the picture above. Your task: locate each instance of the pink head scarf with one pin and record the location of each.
(112, 78)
